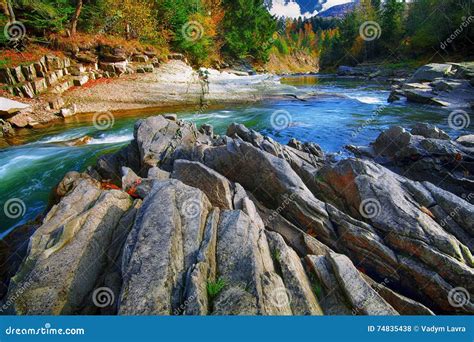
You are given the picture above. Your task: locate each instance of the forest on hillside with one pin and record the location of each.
(389, 31)
(205, 30)
(210, 31)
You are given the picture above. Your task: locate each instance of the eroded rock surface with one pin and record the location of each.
(241, 225)
(425, 154)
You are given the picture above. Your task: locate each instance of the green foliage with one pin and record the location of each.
(249, 28)
(241, 28)
(214, 288)
(282, 46)
(277, 255)
(317, 289)
(41, 15)
(405, 30)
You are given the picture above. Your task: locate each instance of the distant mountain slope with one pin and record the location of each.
(338, 11)
(294, 8)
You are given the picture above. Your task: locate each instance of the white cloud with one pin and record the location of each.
(291, 9)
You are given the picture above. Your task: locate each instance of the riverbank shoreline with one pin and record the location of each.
(173, 84)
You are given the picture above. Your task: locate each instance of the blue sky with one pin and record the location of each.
(304, 8)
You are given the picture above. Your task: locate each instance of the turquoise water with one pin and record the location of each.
(343, 112)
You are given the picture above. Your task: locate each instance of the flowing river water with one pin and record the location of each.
(345, 111)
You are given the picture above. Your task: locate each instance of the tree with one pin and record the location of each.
(249, 29)
(8, 10)
(75, 17)
(392, 24)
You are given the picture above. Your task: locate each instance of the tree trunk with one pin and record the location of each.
(75, 17)
(8, 10)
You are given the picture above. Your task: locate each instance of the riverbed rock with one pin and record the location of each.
(217, 188)
(396, 209)
(78, 229)
(305, 159)
(424, 97)
(360, 294)
(302, 299)
(425, 154)
(173, 139)
(67, 112)
(9, 107)
(430, 72)
(227, 233)
(446, 85)
(466, 140)
(429, 131)
(6, 129)
(162, 246)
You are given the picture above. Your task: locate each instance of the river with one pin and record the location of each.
(345, 111)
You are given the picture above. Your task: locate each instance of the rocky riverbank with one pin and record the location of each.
(182, 221)
(447, 85)
(173, 83)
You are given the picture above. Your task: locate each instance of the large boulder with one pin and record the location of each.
(430, 72)
(425, 154)
(66, 254)
(217, 188)
(180, 248)
(401, 225)
(9, 107)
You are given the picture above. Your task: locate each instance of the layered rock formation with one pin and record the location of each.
(446, 85)
(239, 224)
(426, 153)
